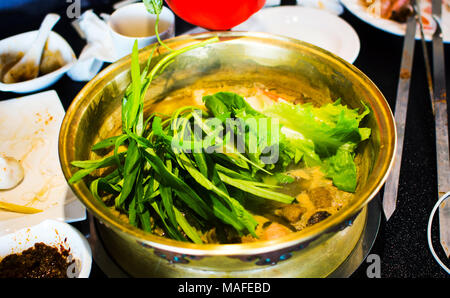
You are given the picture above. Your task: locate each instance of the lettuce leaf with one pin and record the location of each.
(327, 136)
(341, 169)
(328, 127)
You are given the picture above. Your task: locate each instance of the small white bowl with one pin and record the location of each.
(21, 43)
(133, 18)
(53, 233)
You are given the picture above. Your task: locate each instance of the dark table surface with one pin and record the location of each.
(401, 243)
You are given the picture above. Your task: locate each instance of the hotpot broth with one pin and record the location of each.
(216, 72)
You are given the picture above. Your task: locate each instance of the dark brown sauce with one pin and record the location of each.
(40, 261)
(50, 61)
(7, 61)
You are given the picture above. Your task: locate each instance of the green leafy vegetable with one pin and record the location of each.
(154, 6)
(342, 169)
(180, 174)
(328, 127)
(326, 136)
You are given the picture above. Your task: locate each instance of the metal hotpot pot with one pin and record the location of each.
(286, 66)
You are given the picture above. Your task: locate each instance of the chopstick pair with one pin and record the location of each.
(18, 208)
(438, 97)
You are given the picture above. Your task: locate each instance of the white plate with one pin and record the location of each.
(393, 27)
(314, 26)
(55, 234)
(29, 130)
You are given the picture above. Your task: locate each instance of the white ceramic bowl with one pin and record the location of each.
(53, 233)
(21, 43)
(132, 19)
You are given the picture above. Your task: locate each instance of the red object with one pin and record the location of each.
(215, 14)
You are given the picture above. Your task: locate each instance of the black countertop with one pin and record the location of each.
(401, 243)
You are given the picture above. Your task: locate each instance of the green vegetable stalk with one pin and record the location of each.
(155, 7)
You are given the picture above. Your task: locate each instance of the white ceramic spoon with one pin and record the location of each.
(28, 67)
(11, 172)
